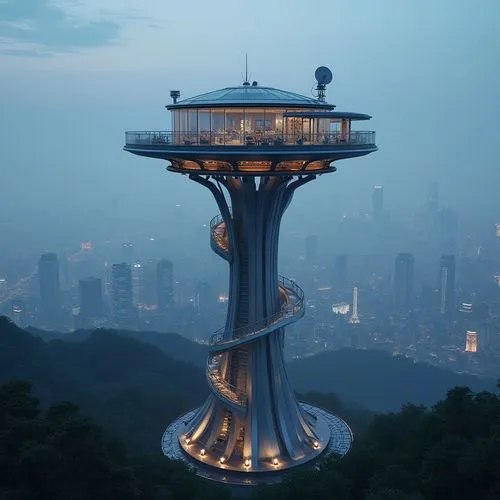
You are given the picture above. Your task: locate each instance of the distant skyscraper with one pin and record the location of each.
(165, 284)
(18, 313)
(433, 198)
(128, 252)
(91, 302)
(447, 231)
(403, 281)
(50, 294)
(340, 272)
(138, 284)
(204, 298)
(378, 203)
(447, 284)
(312, 248)
(354, 320)
(123, 306)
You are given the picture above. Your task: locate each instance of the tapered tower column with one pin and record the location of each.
(264, 424)
(252, 147)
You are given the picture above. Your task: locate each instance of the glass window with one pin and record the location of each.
(254, 120)
(204, 120)
(177, 120)
(183, 121)
(193, 121)
(274, 122)
(217, 122)
(235, 124)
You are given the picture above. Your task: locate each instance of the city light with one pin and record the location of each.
(471, 341)
(341, 308)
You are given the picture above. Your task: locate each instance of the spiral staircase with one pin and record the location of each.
(223, 341)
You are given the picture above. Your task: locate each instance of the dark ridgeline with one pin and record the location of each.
(403, 282)
(50, 293)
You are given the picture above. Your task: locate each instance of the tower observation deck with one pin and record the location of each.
(252, 147)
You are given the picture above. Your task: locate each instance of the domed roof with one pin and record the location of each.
(250, 96)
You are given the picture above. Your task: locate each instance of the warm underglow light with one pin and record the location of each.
(316, 444)
(222, 460)
(202, 452)
(247, 462)
(275, 461)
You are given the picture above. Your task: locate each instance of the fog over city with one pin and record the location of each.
(424, 70)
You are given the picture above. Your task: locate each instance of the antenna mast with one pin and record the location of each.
(246, 82)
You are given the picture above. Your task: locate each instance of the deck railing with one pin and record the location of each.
(266, 139)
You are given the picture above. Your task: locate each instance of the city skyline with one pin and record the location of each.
(83, 83)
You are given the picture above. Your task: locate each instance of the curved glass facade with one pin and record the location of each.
(251, 126)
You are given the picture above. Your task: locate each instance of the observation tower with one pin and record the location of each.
(252, 146)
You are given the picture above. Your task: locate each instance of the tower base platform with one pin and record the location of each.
(340, 442)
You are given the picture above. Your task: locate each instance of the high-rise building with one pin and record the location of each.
(447, 285)
(91, 301)
(125, 314)
(403, 281)
(164, 284)
(354, 319)
(340, 272)
(470, 341)
(128, 252)
(204, 298)
(138, 284)
(50, 294)
(378, 203)
(18, 313)
(448, 228)
(260, 144)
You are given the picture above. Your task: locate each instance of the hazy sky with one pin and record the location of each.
(74, 75)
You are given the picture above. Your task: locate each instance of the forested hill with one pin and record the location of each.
(377, 380)
(174, 345)
(130, 387)
(448, 452)
(58, 454)
(133, 390)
